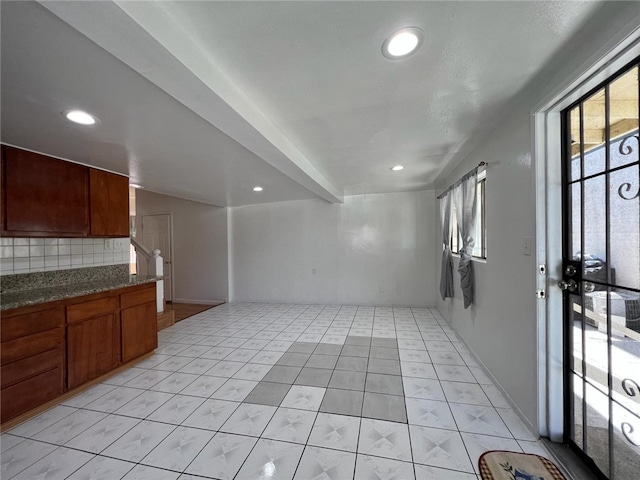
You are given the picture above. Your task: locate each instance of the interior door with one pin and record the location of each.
(601, 283)
(156, 233)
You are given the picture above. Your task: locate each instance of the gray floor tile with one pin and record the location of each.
(342, 402)
(266, 393)
(355, 351)
(347, 380)
(357, 340)
(384, 342)
(384, 407)
(328, 349)
(314, 377)
(302, 347)
(292, 359)
(322, 361)
(353, 364)
(380, 383)
(382, 352)
(381, 365)
(282, 374)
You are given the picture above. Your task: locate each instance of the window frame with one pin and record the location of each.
(455, 239)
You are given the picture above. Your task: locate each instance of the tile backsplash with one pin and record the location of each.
(25, 255)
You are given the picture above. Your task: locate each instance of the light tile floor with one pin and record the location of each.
(249, 391)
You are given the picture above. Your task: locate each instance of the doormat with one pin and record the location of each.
(504, 465)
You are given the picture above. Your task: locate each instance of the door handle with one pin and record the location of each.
(569, 285)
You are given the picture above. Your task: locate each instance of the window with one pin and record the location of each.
(480, 235)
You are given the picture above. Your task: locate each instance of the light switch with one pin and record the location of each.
(108, 244)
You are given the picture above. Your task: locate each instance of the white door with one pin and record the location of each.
(156, 233)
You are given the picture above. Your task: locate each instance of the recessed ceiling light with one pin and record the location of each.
(397, 168)
(135, 185)
(402, 43)
(258, 189)
(78, 116)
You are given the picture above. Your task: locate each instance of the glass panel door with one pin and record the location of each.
(601, 266)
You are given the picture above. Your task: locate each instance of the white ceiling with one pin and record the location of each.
(204, 100)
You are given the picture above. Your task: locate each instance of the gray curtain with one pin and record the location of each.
(465, 200)
(446, 272)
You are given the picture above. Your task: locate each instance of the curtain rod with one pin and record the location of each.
(481, 164)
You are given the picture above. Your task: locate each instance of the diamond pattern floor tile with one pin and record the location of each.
(322, 463)
(250, 390)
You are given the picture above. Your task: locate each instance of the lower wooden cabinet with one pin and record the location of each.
(32, 392)
(32, 359)
(90, 349)
(139, 330)
(51, 348)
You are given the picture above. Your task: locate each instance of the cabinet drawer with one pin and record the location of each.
(93, 308)
(22, 397)
(30, 366)
(138, 297)
(24, 347)
(22, 325)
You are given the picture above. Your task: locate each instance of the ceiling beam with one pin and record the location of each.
(618, 108)
(594, 137)
(144, 37)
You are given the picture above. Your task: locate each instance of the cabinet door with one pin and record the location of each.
(90, 349)
(109, 204)
(44, 196)
(139, 330)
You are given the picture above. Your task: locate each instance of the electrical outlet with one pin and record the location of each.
(119, 243)
(108, 244)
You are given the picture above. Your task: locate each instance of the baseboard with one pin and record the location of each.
(194, 301)
(509, 400)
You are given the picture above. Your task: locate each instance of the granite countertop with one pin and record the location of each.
(35, 296)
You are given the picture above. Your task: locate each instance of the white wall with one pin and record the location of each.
(501, 326)
(200, 260)
(372, 249)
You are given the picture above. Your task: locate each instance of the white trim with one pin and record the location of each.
(195, 301)
(514, 406)
(610, 58)
(230, 265)
(547, 163)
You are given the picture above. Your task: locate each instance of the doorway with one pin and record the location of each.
(601, 274)
(156, 233)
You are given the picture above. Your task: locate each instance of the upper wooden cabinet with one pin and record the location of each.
(46, 197)
(109, 204)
